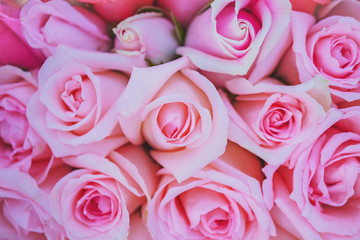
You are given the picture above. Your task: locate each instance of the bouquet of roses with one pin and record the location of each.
(179, 119)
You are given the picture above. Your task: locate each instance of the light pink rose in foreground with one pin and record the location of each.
(184, 10)
(24, 209)
(74, 109)
(48, 24)
(330, 47)
(322, 178)
(117, 10)
(239, 37)
(222, 201)
(270, 119)
(20, 146)
(178, 112)
(134, 37)
(13, 47)
(95, 201)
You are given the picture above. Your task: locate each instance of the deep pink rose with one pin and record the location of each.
(48, 24)
(308, 6)
(316, 194)
(74, 109)
(133, 37)
(222, 201)
(13, 47)
(270, 119)
(236, 37)
(178, 112)
(184, 10)
(20, 146)
(116, 10)
(330, 47)
(95, 201)
(24, 209)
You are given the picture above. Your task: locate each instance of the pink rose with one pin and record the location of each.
(308, 6)
(178, 112)
(20, 145)
(184, 11)
(138, 229)
(48, 24)
(322, 178)
(95, 201)
(74, 109)
(24, 208)
(222, 201)
(13, 47)
(133, 37)
(329, 47)
(236, 37)
(116, 10)
(270, 119)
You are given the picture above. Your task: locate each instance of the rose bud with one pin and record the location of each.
(48, 24)
(133, 37)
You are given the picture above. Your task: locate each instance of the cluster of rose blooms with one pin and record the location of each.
(180, 119)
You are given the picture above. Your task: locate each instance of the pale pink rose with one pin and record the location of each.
(178, 112)
(329, 47)
(48, 24)
(138, 229)
(74, 109)
(236, 37)
(95, 201)
(270, 119)
(133, 37)
(116, 10)
(316, 194)
(20, 146)
(222, 201)
(13, 47)
(184, 10)
(24, 209)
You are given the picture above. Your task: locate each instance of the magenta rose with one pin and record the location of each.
(13, 46)
(20, 146)
(48, 24)
(95, 201)
(236, 37)
(329, 47)
(184, 10)
(270, 119)
(74, 109)
(317, 191)
(24, 209)
(222, 201)
(133, 37)
(178, 112)
(115, 11)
